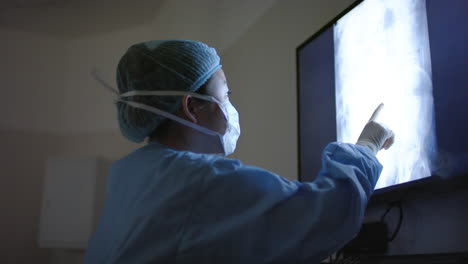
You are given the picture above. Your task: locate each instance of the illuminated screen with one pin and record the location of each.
(409, 55)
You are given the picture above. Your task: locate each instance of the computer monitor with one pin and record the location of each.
(410, 55)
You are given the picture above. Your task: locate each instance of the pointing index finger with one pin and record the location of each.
(376, 112)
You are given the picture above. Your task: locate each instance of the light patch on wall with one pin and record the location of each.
(382, 54)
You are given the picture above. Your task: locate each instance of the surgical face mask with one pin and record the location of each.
(228, 140)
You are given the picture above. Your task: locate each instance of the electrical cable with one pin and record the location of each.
(339, 258)
(400, 219)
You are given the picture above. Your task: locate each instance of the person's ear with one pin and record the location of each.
(189, 109)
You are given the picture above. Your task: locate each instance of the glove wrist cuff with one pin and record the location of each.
(370, 145)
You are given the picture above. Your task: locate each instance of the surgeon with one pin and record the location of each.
(179, 199)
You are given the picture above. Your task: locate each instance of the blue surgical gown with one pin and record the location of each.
(169, 206)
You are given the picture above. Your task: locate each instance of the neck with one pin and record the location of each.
(172, 137)
(187, 139)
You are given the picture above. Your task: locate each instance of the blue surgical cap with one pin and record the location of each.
(164, 65)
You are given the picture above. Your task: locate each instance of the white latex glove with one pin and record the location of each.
(375, 136)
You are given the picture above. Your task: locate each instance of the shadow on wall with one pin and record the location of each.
(73, 19)
(23, 163)
(23, 159)
(432, 223)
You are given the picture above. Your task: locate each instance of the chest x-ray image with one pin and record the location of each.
(382, 55)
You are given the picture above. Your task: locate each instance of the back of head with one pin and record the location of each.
(167, 65)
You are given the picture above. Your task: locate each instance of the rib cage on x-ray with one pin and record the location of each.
(382, 54)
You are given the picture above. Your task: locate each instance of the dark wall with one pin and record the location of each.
(433, 222)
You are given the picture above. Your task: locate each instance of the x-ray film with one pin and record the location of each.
(382, 55)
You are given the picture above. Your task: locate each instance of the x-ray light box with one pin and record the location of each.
(409, 55)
